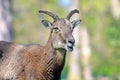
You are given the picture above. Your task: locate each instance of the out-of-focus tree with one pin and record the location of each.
(85, 54)
(115, 6)
(6, 29)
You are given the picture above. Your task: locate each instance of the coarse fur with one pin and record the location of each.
(35, 62)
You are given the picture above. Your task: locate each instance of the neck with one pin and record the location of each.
(49, 44)
(57, 57)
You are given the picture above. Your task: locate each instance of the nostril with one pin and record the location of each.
(71, 41)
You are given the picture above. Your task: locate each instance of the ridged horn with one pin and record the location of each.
(71, 13)
(54, 16)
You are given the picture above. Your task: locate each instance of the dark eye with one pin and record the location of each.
(56, 29)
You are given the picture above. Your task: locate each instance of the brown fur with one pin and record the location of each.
(34, 62)
(31, 62)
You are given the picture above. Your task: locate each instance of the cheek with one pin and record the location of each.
(62, 38)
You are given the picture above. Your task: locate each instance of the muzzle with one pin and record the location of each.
(70, 44)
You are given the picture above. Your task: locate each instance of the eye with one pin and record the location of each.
(56, 29)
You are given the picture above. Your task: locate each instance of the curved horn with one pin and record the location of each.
(71, 13)
(54, 16)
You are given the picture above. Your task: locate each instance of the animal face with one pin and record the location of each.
(61, 31)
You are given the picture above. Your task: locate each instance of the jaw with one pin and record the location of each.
(59, 46)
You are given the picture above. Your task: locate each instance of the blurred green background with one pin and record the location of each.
(96, 15)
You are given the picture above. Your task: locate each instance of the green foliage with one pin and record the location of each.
(96, 15)
(112, 33)
(26, 21)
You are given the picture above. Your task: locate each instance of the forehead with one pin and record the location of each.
(62, 23)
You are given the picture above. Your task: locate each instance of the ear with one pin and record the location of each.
(75, 23)
(47, 24)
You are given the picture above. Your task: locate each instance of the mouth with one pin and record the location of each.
(70, 48)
